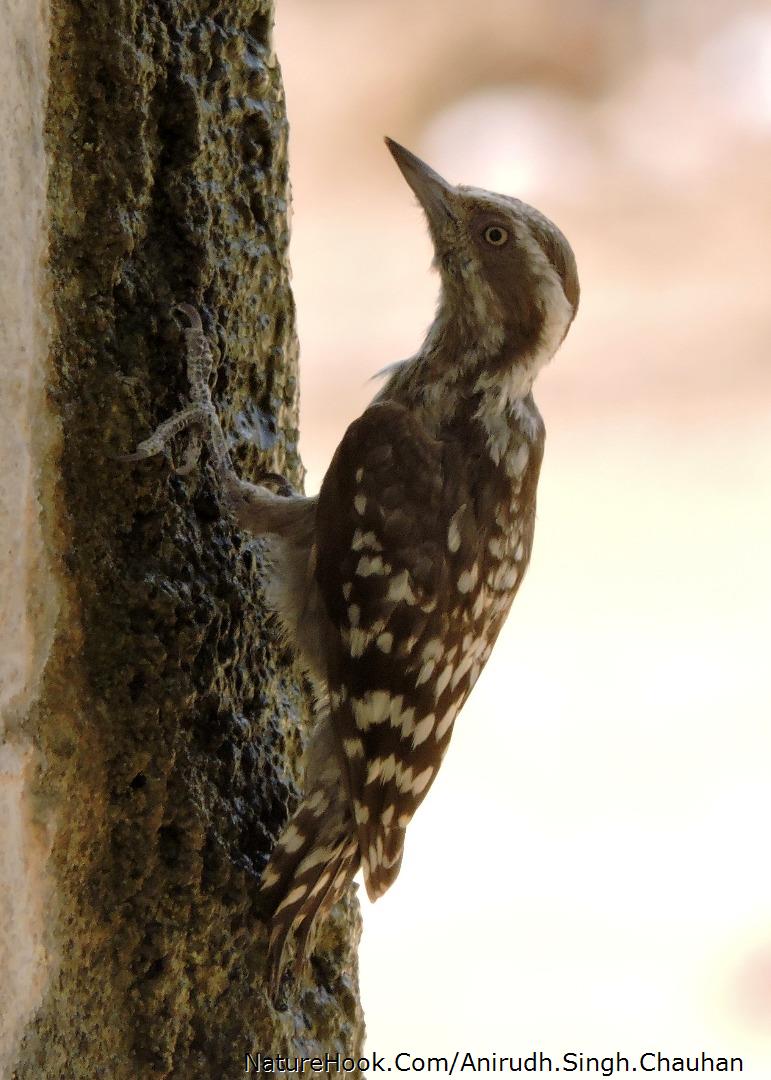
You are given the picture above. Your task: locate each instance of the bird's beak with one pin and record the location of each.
(434, 193)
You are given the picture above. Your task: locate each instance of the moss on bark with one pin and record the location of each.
(172, 718)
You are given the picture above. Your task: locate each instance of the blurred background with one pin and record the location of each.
(591, 871)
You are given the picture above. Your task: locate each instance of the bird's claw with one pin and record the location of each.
(277, 483)
(193, 315)
(200, 411)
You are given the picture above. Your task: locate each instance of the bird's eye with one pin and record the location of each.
(496, 235)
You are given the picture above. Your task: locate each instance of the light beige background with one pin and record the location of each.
(591, 871)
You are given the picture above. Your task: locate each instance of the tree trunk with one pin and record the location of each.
(153, 718)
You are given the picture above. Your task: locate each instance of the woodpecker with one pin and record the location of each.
(394, 581)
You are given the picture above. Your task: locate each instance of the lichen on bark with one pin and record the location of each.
(172, 718)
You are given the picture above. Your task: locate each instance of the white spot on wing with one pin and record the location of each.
(292, 898)
(373, 708)
(444, 677)
(365, 541)
(358, 640)
(480, 603)
(291, 840)
(425, 672)
(468, 579)
(421, 780)
(399, 588)
(446, 722)
(321, 883)
(388, 769)
(453, 529)
(373, 772)
(314, 858)
(407, 721)
(423, 729)
(432, 650)
(496, 546)
(505, 577)
(369, 566)
(404, 776)
(461, 669)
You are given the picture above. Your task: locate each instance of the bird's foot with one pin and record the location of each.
(277, 483)
(165, 432)
(200, 411)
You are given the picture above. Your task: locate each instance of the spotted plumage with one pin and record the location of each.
(395, 580)
(446, 523)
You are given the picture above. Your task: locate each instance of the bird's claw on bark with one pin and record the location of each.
(277, 483)
(193, 315)
(200, 412)
(200, 409)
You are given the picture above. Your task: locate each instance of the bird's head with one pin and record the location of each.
(508, 274)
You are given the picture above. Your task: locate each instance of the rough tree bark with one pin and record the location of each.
(154, 721)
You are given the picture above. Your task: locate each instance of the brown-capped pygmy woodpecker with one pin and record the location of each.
(394, 581)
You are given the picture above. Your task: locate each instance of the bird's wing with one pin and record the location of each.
(384, 568)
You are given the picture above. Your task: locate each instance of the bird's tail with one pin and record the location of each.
(383, 850)
(314, 861)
